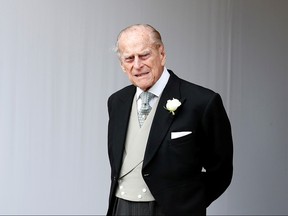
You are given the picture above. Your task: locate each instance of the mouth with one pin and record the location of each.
(141, 74)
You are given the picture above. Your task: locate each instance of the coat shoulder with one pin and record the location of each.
(122, 93)
(188, 88)
(192, 90)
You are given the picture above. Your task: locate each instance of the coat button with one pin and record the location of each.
(146, 174)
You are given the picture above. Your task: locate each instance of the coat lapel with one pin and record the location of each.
(163, 118)
(120, 125)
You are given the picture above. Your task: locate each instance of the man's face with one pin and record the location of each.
(142, 61)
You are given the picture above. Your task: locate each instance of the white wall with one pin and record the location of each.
(57, 69)
(259, 108)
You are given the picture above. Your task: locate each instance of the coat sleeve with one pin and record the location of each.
(218, 150)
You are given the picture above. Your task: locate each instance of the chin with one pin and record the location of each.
(144, 88)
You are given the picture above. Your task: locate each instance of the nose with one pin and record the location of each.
(137, 63)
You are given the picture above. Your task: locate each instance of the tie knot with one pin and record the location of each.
(146, 97)
(145, 106)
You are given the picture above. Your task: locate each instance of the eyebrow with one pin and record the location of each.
(139, 54)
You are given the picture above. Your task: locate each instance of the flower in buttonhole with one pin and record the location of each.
(172, 105)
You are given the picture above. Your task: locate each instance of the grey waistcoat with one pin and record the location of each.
(131, 183)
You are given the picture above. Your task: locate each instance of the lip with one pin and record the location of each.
(141, 74)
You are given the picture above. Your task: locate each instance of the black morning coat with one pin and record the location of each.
(172, 168)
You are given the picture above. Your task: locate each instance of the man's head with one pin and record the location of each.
(142, 54)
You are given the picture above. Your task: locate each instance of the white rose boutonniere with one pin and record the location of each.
(172, 105)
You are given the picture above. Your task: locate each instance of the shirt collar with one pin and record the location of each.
(159, 86)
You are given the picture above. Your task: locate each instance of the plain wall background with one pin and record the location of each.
(57, 69)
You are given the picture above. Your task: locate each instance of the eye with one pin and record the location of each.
(144, 56)
(129, 59)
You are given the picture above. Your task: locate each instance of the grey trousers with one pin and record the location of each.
(124, 207)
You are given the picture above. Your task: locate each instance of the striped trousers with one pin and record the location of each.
(125, 207)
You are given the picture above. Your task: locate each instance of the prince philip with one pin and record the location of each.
(169, 141)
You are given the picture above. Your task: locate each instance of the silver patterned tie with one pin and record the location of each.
(145, 106)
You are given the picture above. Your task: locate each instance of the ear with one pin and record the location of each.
(163, 55)
(122, 67)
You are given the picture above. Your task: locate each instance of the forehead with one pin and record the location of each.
(136, 40)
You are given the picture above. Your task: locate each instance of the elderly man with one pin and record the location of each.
(169, 141)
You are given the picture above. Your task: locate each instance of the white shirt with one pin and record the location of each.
(156, 89)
